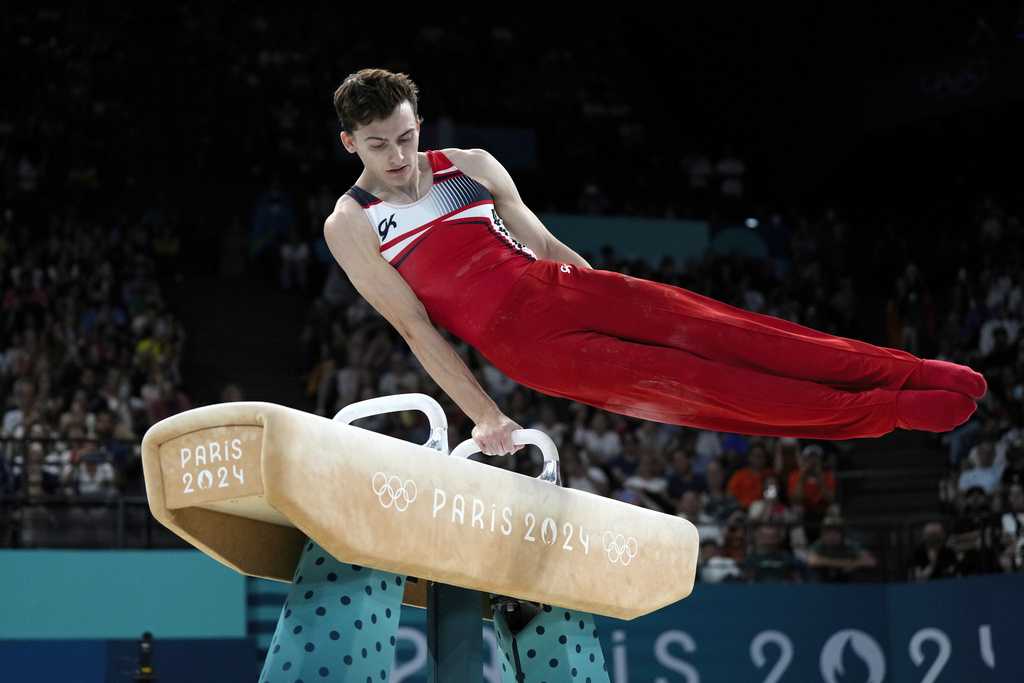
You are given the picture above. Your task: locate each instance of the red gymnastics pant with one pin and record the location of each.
(664, 353)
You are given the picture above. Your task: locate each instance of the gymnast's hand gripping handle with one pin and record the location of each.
(523, 437)
(438, 440)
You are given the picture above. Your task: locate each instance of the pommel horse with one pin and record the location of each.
(360, 523)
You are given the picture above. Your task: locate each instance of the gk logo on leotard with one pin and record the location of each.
(392, 491)
(385, 226)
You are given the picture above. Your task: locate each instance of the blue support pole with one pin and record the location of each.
(454, 634)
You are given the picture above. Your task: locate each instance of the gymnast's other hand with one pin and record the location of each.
(494, 435)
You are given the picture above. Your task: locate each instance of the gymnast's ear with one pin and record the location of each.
(347, 141)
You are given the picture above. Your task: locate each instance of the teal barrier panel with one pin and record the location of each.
(647, 239)
(80, 594)
(951, 631)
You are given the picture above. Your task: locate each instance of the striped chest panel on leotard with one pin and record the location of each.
(453, 199)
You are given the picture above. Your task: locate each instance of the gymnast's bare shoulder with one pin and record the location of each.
(355, 247)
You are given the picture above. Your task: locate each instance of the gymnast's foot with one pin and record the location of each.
(939, 374)
(933, 411)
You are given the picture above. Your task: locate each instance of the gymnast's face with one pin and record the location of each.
(388, 147)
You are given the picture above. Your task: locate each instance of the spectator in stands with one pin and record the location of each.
(579, 474)
(112, 439)
(811, 487)
(708, 447)
(913, 308)
(1013, 473)
(835, 558)
(155, 346)
(163, 399)
(974, 534)
(93, 476)
(22, 406)
(6, 482)
(986, 474)
(747, 484)
(769, 561)
(734, 537)
(114, 395)
(53, 464)
(682, 478)
(718, 502)
(625, 464)
(548, 422)
(932, 559)
(76, 445)
(28, 469)
(714, 567)
(961, 439)
(769, 508)
(598, 439)
(739, 444)
(997, 344)
(650, 483)
(1011, 558)
(1012, 433)
(688, 507)
(351, 377)
(772, 509)
(78, 414)
(785, 459)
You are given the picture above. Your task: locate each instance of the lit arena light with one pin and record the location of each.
(751, 223)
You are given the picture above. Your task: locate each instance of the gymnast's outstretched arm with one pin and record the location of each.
(350, 239)
(519, 220)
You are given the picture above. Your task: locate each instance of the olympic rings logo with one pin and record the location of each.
(620, 550)
(392, 491)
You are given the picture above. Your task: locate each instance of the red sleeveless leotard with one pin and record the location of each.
(451, 247)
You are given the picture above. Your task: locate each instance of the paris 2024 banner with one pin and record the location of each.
(949, 631)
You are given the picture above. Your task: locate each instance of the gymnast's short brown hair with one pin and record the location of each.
(371, 94)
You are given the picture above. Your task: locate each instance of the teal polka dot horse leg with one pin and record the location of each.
(555, 646)
(339, 623)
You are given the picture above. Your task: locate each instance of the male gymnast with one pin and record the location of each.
(443, 238)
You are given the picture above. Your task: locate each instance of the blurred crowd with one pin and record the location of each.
(90, 356)
(91, 353)
(981, 495)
